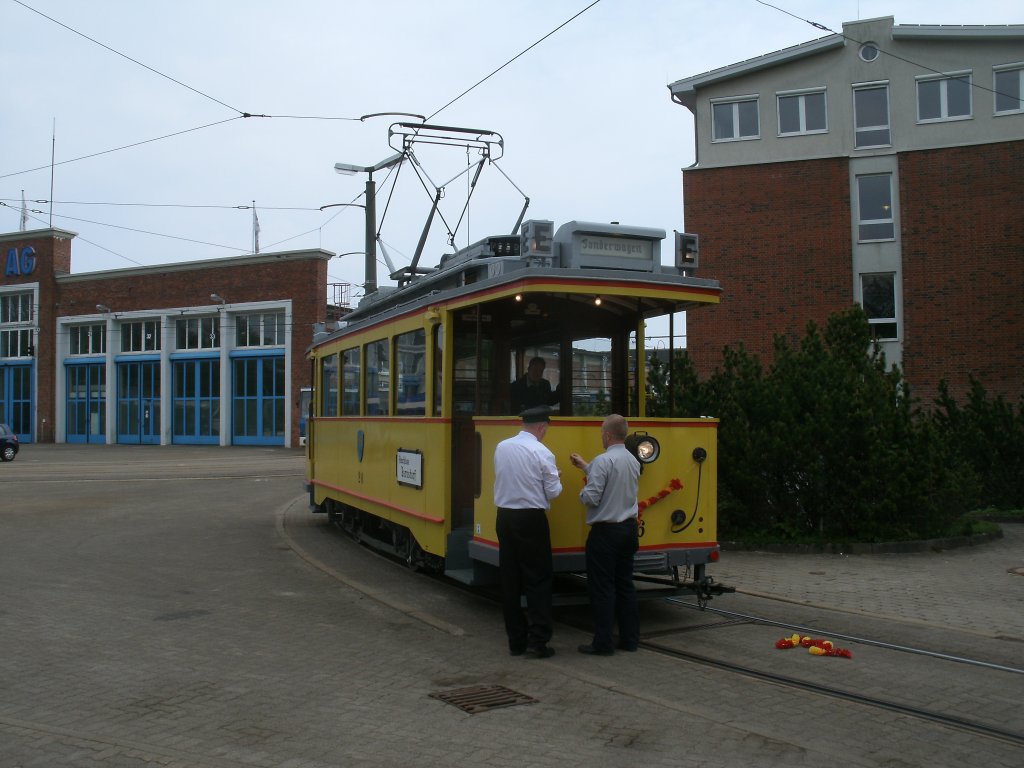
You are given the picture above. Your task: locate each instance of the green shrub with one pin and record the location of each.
(827, 444)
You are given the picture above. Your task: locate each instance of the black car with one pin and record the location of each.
(8, 443)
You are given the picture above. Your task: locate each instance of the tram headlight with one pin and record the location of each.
(645, 447)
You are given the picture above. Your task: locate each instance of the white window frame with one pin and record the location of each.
(890, 219)
(858, 130)
(877, 322)
(207, 330)
(152, 344)
(257, 325)
(87, 339)
(1017, 67)
(735, 102)
(801, 97)
(944, 80)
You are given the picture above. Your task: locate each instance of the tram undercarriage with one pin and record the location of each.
(382, 535)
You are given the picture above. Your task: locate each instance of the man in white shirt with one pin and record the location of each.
(609, 495)
(525, 480)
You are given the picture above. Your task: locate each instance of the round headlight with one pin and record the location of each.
(644, 447)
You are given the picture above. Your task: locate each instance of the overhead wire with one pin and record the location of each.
(129, 58)
(118, 149)
(890, 54)
(166, 205)
(242, 113)
(518, 55)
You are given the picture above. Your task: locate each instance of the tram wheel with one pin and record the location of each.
(407, 549)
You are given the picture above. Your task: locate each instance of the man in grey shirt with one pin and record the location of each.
(610, 496)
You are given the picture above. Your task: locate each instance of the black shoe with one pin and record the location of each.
(624, 647)
(516, 651)
(590, 650)
(539, 652)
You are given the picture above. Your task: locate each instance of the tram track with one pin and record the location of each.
(908, 708)
(952, 721)
(737, 617)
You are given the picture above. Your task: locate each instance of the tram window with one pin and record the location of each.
(535, 384)
(592, 379)
(350, 381)
(378, 378)
(329, 379)
(438, 367)
(473, 383)
(411, 358)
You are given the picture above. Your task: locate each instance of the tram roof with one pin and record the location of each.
(582, 257)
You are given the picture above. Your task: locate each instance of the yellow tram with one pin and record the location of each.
(413, 393)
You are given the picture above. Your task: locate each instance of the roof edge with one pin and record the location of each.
(185, 266)
(682, 90)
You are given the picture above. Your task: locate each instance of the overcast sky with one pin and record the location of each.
(589, 130)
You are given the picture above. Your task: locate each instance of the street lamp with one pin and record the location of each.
(371, 211)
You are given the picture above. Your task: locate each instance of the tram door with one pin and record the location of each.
(475, 392)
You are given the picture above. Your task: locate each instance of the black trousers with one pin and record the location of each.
(524, 562)
(610, 550)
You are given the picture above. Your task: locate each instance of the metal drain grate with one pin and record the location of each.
(481, 698)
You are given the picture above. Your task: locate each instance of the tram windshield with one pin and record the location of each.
(507, 360)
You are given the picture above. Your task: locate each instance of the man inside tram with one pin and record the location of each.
(532, 389)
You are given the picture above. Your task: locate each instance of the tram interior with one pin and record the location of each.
(589, 348)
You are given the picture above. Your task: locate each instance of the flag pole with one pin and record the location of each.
(53, 151)
(255, 230)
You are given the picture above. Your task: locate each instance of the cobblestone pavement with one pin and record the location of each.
(180, 607)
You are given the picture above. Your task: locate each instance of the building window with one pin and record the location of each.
(868, 52)
(878, 297)
(15, 315)
(874, 203)
(16, 343)
(802, 112)
(142, 336)
(88, 339)
(944, 98)
(1009, 88)
(735, 119)
(260, 330)
(871, 115)
(15, 308)
(197, 333)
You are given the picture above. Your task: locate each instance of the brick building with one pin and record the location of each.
(883, 166)
(207, 352)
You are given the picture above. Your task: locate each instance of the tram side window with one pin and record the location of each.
(329, 379)
(350, 382)
(592, 379)
(378, 378)
(438, 368)
(411, 355)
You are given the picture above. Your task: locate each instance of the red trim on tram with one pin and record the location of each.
(386, 419)
(403, 510)
(649, 547)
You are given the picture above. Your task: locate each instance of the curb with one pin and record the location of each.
(866, 548)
